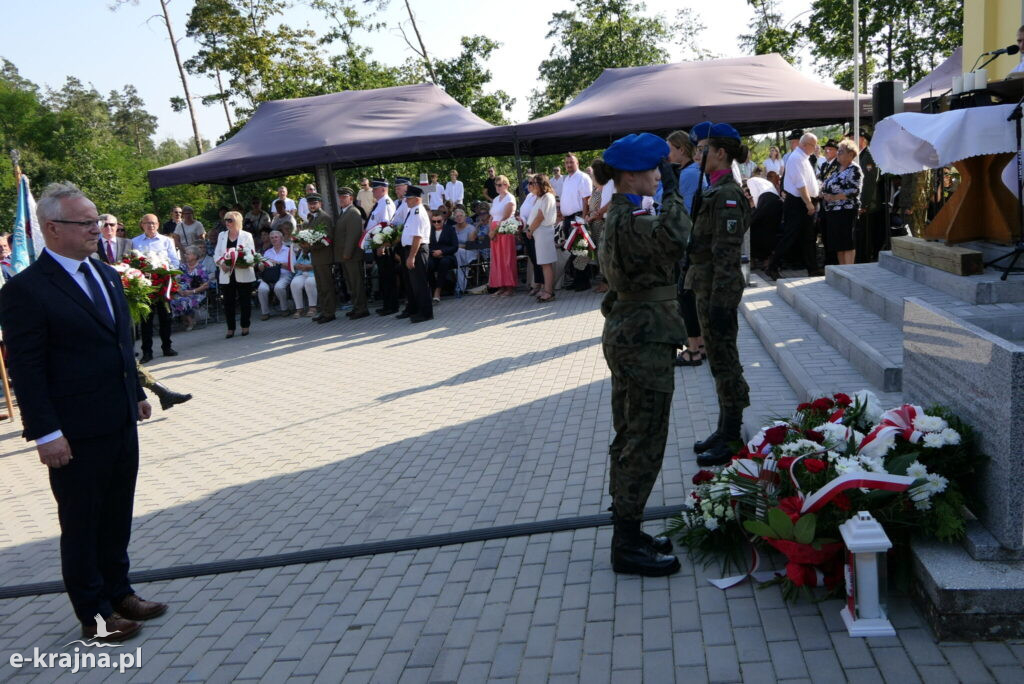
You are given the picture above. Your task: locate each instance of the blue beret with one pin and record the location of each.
(724, 130)
(700, 131)
(636, 152)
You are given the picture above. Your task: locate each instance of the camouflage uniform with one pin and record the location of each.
(716, 279)
(642, 330)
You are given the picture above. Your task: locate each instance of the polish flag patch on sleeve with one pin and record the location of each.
(730, 204)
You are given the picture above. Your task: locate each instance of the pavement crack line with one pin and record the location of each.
(352, 550)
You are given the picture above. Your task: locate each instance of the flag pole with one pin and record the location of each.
(15, 159)
(856, 72)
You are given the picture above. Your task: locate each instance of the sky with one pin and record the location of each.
(108, 49)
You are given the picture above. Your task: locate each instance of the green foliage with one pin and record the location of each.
(761, 529)
(804, 529)
(901, 39)
(781, 525)
(769, 33)
(464, 78)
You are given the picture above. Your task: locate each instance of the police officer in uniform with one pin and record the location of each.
(717, 280)
(415, 252)
(642, 330)
(383, 212)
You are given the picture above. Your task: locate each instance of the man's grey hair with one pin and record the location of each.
(48, 207)
(193, 250)
(275, 230)
(108, 217)
(808, 139)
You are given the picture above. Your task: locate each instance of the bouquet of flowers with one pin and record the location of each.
(310, 237)
(137, 290)
(384, 235)
(259, 259)
(509, 226)
(158, 270)
(239, 257)
(799, 479)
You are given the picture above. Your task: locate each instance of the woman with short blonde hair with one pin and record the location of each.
(503, 275)
(236, 280)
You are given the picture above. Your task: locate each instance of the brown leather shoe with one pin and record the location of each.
(116, 629)
(134, 608)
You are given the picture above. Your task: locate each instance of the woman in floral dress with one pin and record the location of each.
(193, 284)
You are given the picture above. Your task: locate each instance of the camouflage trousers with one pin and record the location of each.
(723, 354)
(640, 413)
(145, 378)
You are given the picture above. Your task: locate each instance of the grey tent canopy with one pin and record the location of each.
(347, 129)
(939, 80)
(755, 94)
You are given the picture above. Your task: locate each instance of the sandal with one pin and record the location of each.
(534, 291)
(231, 333)
(545, 296)
(688, 357)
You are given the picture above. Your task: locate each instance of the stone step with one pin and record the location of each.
(873, 345)
(811, 365)
(882, 291)
(985, 288)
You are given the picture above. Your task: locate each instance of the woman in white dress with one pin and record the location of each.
(540, 225)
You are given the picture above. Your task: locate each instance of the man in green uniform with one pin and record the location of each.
(642, 330)
(869, 235)
(323, 258)
(717, 280)
(168, 397)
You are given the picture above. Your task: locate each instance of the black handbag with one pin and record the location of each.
(271, 274)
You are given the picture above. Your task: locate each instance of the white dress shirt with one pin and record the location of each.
(160, 244)
(72, 266)
(499, 204)
(435, 196)
(401, 212)
(557, 182)
(454, 191)
(575, 191)
(526, 206)
(303, 208)
(289, 204)
(799, 174)
(189, 233)
(104, 242)
(773, 165)
(382, 212)
(417, 222)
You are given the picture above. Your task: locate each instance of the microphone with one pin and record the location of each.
(1008, 50)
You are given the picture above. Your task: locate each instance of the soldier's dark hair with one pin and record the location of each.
(602, 172)
(734, 149)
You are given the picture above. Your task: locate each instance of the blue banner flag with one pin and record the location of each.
(22, 252)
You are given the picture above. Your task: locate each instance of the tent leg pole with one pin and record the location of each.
(328, 186)
(519, 163)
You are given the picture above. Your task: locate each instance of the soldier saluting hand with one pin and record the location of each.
(642, 330)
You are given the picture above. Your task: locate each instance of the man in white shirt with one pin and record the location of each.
(384, 212)
(151, 241)
(434, 193)
(289, 203)
(801, 187)
(111, 249)
(415, 254)
(303, 206)
(572, 205)
(454, 191)
(557, 179)
(364, 198)
(794, 141)
(189, 231)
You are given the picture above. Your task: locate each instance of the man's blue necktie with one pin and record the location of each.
(98, 300)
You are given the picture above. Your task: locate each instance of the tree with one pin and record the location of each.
(900, 39)
(132, 124)
(769, 33)
(465, 78)
(594, 36)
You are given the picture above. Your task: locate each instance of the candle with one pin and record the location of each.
(980, 79)
(958, 85)
(968, 82)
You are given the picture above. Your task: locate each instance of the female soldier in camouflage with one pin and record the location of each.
(641, 332)
(716, 279)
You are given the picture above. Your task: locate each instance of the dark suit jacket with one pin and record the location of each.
(322, 254)
(347, 229)
(448, 243)
(71, 371)
(121, 247)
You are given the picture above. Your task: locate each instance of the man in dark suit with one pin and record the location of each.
(443, 247)
(348, 228)
(67, 329)
(111, 249)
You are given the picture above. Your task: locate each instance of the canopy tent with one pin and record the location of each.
(755, 94)
(939, 80)
(351, 128)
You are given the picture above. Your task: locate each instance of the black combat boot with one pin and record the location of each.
(661, 543)
(632, 555)
(722, 452)
(716, 436)
(167, 397)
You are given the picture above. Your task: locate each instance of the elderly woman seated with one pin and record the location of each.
(193, 284)
(303, 282)
(278, 261)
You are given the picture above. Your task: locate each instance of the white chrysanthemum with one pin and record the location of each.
(872, 408)
(951, 436)
(917, 470)
(834, 432)
(926, 423)
(848, 465)
(730, 514)
(933, 440)
(923, 505)
(920, 493)
(800, 446)
(711, 524)
(873, 464)
(936, 483)
(719, 511)
(880, 446)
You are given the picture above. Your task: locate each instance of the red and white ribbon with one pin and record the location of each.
(898, 421)
(724, 583)
(579, 229)
(884, 481)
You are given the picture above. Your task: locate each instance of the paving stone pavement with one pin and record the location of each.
(497, 412)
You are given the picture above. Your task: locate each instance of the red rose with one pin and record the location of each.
(842, 502)
(703, 476)
(744, 452)
(823, 404)
(776, 435)
(813, 465)
(785, 462)
(842, 400)
(790, 505)
(803, 407)
(814, 436)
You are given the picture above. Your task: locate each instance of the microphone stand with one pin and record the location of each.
(1015, 116)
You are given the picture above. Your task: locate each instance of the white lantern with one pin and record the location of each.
(866, 585)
